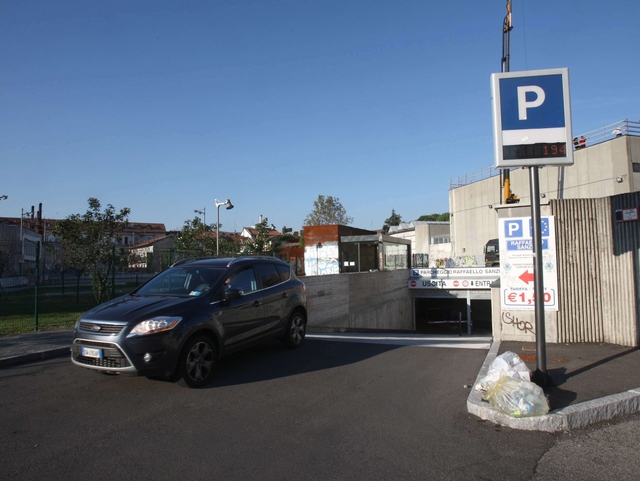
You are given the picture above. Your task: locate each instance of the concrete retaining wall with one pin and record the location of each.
(359, 302)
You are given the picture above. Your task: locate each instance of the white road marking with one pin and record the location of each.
(433, 340)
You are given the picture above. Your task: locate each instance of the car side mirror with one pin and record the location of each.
(233, 294)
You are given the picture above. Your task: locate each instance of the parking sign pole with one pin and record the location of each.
(540, 376)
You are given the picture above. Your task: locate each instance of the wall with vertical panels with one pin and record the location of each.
(597, 270)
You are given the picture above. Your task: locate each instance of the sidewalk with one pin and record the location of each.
(34, 346)
(592, 382)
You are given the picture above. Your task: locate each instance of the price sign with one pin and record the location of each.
(526, 298)
(516, 263)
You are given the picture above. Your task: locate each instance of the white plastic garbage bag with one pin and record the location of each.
(509, 364)
(517, 398)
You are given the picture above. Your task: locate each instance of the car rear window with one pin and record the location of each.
(285, 272)
(269, 275)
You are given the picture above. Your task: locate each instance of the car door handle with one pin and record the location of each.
(256, 304)
(284, 295)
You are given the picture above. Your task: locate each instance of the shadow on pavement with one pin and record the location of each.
(272, 361)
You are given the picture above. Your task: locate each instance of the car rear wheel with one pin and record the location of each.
(296, 329)
(197, 361)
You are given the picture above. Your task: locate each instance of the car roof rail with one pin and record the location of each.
(192, 259)
(253, 257)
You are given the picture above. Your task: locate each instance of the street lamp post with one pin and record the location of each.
(318, 246)
(229, 207)
(203, 213)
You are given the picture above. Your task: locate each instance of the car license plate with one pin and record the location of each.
(91, 352)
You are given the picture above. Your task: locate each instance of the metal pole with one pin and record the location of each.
(217, 229)
(540, 376)
(469, 321)
(113, 271)
(35, 310)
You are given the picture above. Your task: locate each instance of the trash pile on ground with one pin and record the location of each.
(508, 388)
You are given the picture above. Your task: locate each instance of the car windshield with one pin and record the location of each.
(182, 281)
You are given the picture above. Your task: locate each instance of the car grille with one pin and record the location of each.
(112, 356)
(101, 328)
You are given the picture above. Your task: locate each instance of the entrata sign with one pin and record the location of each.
(516, 261)
(456, 278)
(532, 118)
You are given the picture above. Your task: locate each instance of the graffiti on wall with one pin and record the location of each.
(461, 261)
(511, 319)
(321, 260)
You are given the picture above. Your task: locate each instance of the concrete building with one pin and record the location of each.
(336, 249)
(430, 241)
(607, 166)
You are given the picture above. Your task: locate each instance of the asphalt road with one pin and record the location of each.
(329, 411)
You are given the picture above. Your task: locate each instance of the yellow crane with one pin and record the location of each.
(509, 197)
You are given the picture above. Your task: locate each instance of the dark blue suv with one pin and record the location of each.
(180, 322)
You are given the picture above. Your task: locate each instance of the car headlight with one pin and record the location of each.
(153, 325)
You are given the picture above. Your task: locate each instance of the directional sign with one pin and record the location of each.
(532, 118)
(471, 284)
(517, 290)
(454, 278)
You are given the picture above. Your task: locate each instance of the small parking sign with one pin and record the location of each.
(532, 118)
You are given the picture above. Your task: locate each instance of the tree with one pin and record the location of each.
(197, 238)
(395, 219)
(436, 217)
(260, 245)
(327, 211)
(89, 241)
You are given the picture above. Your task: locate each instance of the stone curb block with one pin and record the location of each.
(34, 356)
(562, 419)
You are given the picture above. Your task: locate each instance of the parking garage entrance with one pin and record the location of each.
(452, 301)
(449, 314)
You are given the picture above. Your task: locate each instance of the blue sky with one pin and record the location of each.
(164, 107)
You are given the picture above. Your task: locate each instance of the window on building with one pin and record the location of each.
(441, 239)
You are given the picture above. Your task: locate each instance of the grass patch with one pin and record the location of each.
(55, 310)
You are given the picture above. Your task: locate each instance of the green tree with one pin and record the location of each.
(259, 245)
(436, 217)
(327, 211)
(197, 239)
(395, 219)
(89, 241)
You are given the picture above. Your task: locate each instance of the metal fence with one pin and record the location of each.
(610, 131)
(39, 290)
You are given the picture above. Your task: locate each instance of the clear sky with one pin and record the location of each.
(165, 106)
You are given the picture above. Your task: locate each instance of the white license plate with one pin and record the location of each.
(91, 352)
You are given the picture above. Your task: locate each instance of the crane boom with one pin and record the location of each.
(507, 26)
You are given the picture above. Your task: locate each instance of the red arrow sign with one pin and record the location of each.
(527, 277)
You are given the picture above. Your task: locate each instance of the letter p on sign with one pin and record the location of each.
(523, 104)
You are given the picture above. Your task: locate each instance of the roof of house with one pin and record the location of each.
(150, 242)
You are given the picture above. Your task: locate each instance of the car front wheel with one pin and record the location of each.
(296, 328)
(197, 361)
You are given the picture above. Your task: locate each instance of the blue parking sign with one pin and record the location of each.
(513, 228)
(532, 118)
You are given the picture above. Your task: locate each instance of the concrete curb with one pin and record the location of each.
(35, 356)
(563, 419)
